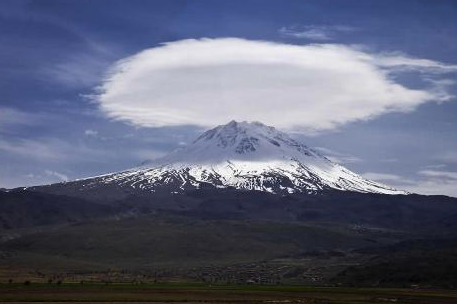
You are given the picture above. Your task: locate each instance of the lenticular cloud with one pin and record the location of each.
(211, 81)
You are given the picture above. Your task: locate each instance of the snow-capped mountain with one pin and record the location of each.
(243, 155)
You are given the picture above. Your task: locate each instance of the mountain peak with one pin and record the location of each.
(235, 128)
(244, 137)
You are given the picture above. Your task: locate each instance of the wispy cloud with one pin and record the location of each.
(43, 177)
(338, 157)
(437, 166)
(59, 175)
(77, 70)
(48, 149)
(448, 156)
(149, 154)
(428, 182)
(29, 148)
(10, 117)
(315, 32)
(434, 187)
(311, 33)
(439, 174)
(74, 68)
(389, 160)
(207, 82)
(383, 177)
(26, 162)
(402, 61)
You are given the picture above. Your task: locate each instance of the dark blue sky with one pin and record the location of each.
(53, 54)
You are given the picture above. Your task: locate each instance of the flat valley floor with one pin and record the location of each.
(203, 293)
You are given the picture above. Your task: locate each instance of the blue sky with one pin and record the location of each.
(65, 112)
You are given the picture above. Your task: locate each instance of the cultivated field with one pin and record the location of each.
(203, 293)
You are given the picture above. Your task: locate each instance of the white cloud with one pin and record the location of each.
(212, 81)
(91, 133)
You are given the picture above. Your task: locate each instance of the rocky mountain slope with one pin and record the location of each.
(242, 155)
